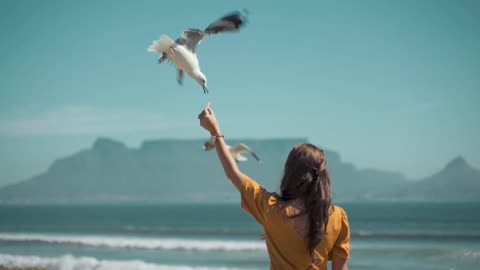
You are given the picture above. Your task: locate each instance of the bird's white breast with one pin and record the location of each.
(184, 59)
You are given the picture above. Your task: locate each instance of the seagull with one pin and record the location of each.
(183, 51)
(235, 151)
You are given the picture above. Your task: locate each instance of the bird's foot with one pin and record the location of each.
(163, 58)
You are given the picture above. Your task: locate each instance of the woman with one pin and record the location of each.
(302, 228)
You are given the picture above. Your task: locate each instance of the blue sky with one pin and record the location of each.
(393, 85)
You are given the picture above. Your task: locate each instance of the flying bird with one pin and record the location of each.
(236, 151)
(183, 51)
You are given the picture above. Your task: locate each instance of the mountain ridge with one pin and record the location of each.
(178, 170)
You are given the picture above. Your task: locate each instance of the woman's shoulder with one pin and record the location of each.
(337, 212)
(271, 198)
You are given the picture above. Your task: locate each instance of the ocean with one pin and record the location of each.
(415, 236)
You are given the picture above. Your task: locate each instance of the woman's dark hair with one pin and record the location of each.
(306, 176)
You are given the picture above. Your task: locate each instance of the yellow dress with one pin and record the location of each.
(286, 248)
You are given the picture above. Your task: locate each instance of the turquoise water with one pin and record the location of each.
(384, 236)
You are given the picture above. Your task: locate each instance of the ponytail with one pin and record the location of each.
(306, 176)
(317, 204)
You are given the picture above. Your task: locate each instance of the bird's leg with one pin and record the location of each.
(163, 58)
(180, 76)
(165, 55)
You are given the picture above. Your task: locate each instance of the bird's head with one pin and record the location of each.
(208, 145)
(202, 80)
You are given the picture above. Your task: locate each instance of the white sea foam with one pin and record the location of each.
(69, 262)
(137, 242)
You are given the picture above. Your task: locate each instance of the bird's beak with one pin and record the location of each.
(205, 89)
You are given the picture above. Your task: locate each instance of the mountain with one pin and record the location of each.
(180, 171)
(158, 171)
(457, 181)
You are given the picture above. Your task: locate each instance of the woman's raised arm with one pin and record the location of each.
(209, 122)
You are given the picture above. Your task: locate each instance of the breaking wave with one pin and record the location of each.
(137, 242)
(69, 262)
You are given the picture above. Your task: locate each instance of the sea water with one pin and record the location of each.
(221, 236)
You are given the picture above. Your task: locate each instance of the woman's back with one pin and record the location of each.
(285, 236)
(295, 240)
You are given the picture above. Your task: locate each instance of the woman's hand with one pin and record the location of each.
(208, 120)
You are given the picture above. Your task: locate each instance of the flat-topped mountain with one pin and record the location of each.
(180, 171)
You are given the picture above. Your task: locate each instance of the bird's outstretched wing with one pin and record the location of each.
(230, 22)
(191, 38)
(243, 148)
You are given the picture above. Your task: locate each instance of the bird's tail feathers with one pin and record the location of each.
(161, 45)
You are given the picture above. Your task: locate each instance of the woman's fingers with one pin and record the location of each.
(206, 112)
(207, 118)
(202, 114)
